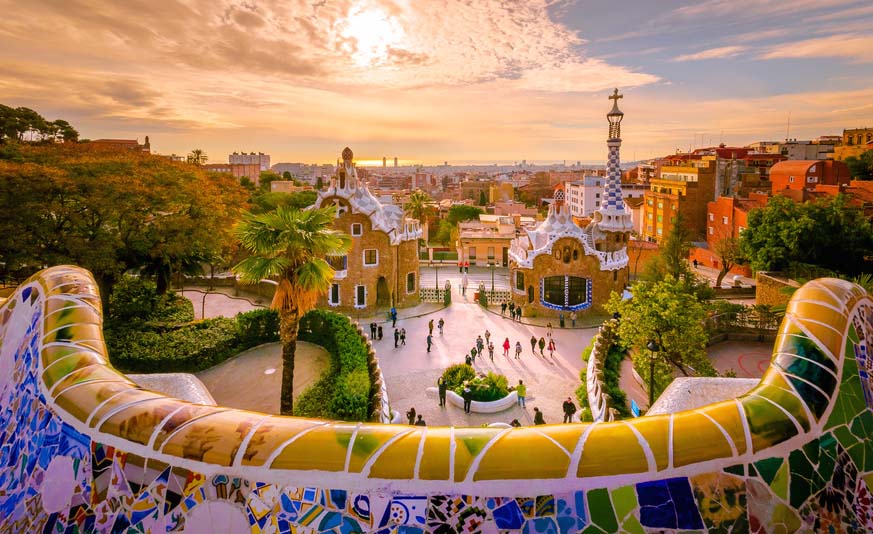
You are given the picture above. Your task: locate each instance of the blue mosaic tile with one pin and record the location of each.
(508, 516)
(668, 504)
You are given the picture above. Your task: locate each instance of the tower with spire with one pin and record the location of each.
(612, 222)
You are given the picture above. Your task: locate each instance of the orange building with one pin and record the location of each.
(125, 144)
(807, 174)
(726, 218)
(684, 184)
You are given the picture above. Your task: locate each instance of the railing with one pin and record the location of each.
(599, 401)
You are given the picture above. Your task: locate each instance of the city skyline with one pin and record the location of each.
(441, 81)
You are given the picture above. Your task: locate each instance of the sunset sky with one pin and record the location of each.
(436, 80)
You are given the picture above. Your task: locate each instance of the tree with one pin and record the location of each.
(290, 245)
(729, 254)
(418, 206)
(287, 176)
(861, 167)
(65, 131)
(266, 178)
(264, 202)
(449, 225)
(197, 157)
(672, 260)
(827, 233)
(15, 123)
(665, 312)
(483, 200)
(319, 183)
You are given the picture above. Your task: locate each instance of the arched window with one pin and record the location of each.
(575, 254)
(530, 294)
(565, 292)
(410, 283)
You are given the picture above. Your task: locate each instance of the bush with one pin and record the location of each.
(132, 299)
(457, 374)
(485, 388)
(172, 309)
(257, 327)
(345, 391)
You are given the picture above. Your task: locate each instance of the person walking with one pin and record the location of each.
(430, 327)
(549, 330)
(518, 313)
(420, 421)
(373, 331)
(521, 392)
(542, 344)
(533, 344)
(552, 347)
(491, 351)
(561, 320)
(569, 410)
(468, 397)
(396, 337)
(473, 353)
(429, 341)
(402, 337)
(506, 347)
(410, 415)
(487, 336)
(512, 310)
(464, 284)
(379, 332)
(441, 387)
(480, 345)
(393, 317)
(468, 360)
(538, 417)
(441, 324)
(517, 349)
(573, 318)
(503, 309)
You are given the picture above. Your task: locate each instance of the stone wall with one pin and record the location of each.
(84, 450)
(603, 283)
(768, 288)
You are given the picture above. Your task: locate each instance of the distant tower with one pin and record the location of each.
(395, 161)
(384, 162)
(614, 217)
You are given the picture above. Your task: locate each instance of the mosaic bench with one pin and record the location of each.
(83, 449)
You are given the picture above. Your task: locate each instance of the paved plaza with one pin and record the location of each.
(409, 371)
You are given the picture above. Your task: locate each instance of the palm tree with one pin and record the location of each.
(197, 157)
(419, 207)
(290, 245)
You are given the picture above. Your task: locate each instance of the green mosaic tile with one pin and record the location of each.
(624, 501)
(632, 526)
(779, 486)
(800, 484)
(601, 510)
(592, 529)
(768, 468)
(739, 469)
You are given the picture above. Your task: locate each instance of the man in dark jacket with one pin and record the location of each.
(538, 417)
(468, 398)
(569, 410)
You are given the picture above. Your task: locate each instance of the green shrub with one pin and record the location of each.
(172, 309)
(350, 401)
(457, 374)
(257, 327)
(485, 388)
(132, 299)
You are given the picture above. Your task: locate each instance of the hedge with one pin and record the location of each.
(344, 391)
(191, 347)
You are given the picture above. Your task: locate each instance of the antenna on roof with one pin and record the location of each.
(788, 128)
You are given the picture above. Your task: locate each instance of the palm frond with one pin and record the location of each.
(256, 268)
(315, 275)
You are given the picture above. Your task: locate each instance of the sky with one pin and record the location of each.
(463, 81)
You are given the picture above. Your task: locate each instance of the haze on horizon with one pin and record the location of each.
(442, 80)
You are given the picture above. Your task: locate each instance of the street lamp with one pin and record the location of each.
(492, 264)
(654, 348)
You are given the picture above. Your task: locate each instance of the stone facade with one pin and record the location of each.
(381, 269)
(600, 283)
(769, 289)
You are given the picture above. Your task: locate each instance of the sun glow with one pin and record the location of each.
(374, 33)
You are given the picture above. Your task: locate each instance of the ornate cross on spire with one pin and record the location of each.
(615, 96)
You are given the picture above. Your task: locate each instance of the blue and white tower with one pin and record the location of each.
(614, 216)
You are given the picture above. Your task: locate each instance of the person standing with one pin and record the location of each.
(468, 397)
(468, 360)
(464, 284)
(517, 349)
(521, 392)
(393, 317)
(441, 387)
(396, 337)
(538, 417)
(503, 309)
(420, 421)
(430, 327)
(473, 353)
(549, 330)
(487, 336)
(480, 345)
(542, 344)
(410, 416)
(533, 344)
(429, 341)
(573, 318)
(569, 410)
(518, 313)
(379, 332)
(402, 337)
(506, 347)
(552, 347)
(561, 319)
(491, 351)
(512, 310)
(373, 331)
(441, 323)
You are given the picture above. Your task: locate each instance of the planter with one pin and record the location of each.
(499, 405)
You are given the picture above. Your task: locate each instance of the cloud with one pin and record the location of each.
(854, 47)
(712, 53)
(750, 8)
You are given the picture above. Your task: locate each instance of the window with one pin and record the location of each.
(371, 257)
(472, 254)
(357, 229)
(791, 179)
(596, 203)
(649, 216)
(711, 231)
(490, 253)
(333, 297)
(410, 283)
(338, 263)
(519, 280)
(597, 183)
(360, 296)
(597, 195)
(649, 202)
(565, 291)
(724, 220)
(660, 231)
(660, 218)
(711, 217)
(660, 205)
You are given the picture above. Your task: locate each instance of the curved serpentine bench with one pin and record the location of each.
(82, 444)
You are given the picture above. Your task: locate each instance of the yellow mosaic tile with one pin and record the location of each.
(368, 440)
(728, 417)
(434, 463)
(696, 439)
(397, 461)
(272, 433)
(768, 425)
(63, 362)
(186, 413)
(80, 401)
(656, 431)
(610, 449)
(90, 373)
(78, 331)
(525, 454)
(469, 442)
(780, 392)
(72, 313)
(324, 448)
(138, 422)
(214, 438)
